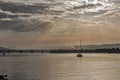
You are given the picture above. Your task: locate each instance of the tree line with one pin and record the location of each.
(100, 50)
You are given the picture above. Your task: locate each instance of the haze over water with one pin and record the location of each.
(61, 67)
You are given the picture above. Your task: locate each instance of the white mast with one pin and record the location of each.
(80, 45)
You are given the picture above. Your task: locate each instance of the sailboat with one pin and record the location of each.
(79, 54)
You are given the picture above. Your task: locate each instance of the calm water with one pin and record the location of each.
(61, 67)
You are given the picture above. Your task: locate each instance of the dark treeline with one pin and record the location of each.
(101, 50)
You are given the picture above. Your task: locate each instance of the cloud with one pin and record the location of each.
(6, 19)
(10, 13)
(20, 17)
(83, 7)
(25, 25)
(112, 13)
(17, 10)
(5, 15)
(55, 8)
(22, 8)
(64, 26)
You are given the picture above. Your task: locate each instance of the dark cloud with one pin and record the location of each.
(4, 15)
(22, 8)
(14, 17)
(8, 14)
(86, 6)
(25, 26)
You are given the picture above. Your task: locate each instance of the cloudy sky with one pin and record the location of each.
(58, 23)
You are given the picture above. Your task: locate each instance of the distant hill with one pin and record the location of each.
(100, 46)
(2, 48)
(117, 45)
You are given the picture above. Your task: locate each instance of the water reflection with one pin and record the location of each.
(61, 67)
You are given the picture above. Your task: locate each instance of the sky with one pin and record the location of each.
(58, 23)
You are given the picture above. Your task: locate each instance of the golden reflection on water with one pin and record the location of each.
(90, 67)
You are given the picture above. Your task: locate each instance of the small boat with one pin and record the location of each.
(79, 55)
